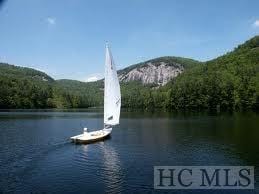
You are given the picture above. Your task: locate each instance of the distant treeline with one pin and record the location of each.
(29, 88)
(230, 82)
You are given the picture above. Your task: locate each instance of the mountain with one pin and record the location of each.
(158, 71)
(91, 93)
(229, 82)
(23, 72)
(22, 87)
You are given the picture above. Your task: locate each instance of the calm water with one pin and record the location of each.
(37, 156)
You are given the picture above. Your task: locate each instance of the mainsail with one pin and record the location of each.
(112, 93)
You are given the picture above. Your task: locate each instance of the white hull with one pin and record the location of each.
(93, 136)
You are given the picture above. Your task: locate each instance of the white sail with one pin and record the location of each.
(112, 93)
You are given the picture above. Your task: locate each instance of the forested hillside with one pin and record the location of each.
(81, 94)
(24, 87)
(28, 88)
(229, 82)
(13, 71)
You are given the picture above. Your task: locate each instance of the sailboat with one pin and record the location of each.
(112, 104)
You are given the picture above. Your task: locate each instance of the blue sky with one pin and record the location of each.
(66, 38)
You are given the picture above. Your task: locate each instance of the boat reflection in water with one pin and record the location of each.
(109, 168)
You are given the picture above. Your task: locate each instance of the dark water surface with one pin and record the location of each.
(37, 156)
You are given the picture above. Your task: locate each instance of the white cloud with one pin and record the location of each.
(51, 20)
(93, 77)
(256, 23)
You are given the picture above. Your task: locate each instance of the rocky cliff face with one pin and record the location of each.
(152, 72)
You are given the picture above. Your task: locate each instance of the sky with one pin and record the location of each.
(66, 38)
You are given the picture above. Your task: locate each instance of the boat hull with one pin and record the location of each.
(91, 137)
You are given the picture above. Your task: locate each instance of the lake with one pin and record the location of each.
(37, 156)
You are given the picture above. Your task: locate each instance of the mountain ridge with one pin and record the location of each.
(7, 69)
(228, 82)
(158, 71)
